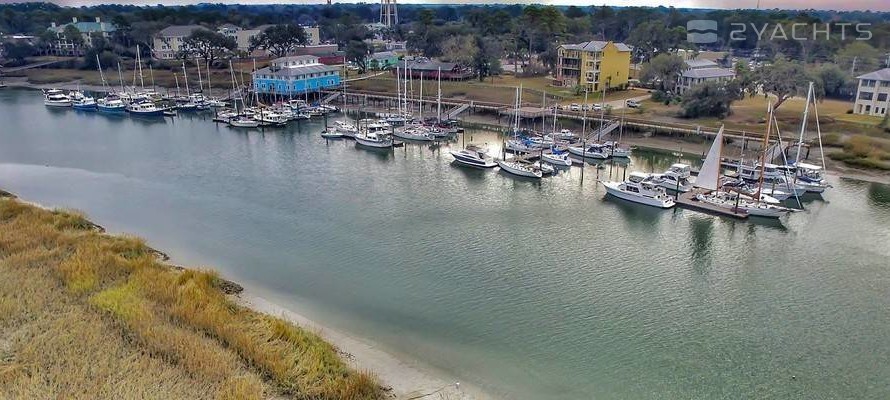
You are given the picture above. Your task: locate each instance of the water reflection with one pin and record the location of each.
(702, 232)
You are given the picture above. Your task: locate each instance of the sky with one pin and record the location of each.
(874, 5)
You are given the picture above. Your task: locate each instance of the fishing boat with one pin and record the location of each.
(331, 134)
(616, 151)
(56, 98)
(145, 109)
(417, 133)
(593, 150)
(345, 128)
(474, 156)
(638, 189)
(111, 104)
(520, 169)
(243, 121)
(370, 138)
(557, 157)
(677, 178)
(84, 103)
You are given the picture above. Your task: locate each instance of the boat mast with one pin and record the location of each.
(543, 112)
(819, 135)
(439, 96)
(421, 97)
(209, 88)
(139, 64)
(151, 74)
(176, 78)
(398, 90)
(803, 123)
(200, 81)
(120, 76)
(769, 128)
(234, 99)
(101, 74)
(185, 78)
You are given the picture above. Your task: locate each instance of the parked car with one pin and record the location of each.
(596, 107)
(575, 107)
(632, 103)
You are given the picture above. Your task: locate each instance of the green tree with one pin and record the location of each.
(280, 40)
(663, 70)
(73, 35)
(859, 58)
(357, 51)
(710, 99)
(654, 37)
(18, 51)
(208, 45)
(487, 61)
(782, 79)
(460, 49)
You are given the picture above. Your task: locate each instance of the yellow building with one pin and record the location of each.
(592, 64)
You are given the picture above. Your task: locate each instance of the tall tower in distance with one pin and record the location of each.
(389, 14)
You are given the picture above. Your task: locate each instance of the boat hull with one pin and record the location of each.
(558, 161)
(377, 144)
(473, 162)
(511, 168)
(587, 154)
(614, 189)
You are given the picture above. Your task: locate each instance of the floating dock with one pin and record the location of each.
(688, 200)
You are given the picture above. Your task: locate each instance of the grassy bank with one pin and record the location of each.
(88, 315)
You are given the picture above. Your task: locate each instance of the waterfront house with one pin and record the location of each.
(382, 60)
(700, 71)
(295, 75)
(67, 47)
(592, 64)
(873, 93)
(244, 36)
(169, 42)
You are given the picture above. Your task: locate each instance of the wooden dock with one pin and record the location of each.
(688, 200)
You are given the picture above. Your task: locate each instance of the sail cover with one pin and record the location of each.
(710, 170)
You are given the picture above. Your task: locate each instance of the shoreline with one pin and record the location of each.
(402, 377)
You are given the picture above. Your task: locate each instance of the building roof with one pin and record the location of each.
(303, 59)
(708, 73)
(879, 75)
(381, 55)
(427, 65)
(595, 45)
(700, 63)
(305, 69)
(87, 27)
(179, 30)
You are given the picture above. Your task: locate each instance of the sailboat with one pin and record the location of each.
(709, 178)
(110, 103)
(587, 150)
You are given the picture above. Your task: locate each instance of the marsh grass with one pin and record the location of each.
(88, 315)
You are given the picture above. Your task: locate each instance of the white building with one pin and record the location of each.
(873, 93)
(700, 71)
(168, 43)
(66, 47)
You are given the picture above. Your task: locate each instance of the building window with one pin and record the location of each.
(882, 96)
(865, 95)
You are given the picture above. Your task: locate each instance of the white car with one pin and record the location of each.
(633, 103)
(575, 107)
(596, 107)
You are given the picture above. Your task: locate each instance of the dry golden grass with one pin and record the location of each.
(88, 315)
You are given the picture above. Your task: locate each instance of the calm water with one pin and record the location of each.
(529, 290)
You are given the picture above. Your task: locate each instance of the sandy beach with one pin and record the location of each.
(406, 379)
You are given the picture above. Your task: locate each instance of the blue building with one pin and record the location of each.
(295, 75)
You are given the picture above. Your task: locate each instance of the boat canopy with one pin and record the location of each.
(808, 166)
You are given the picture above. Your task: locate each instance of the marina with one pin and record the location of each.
(413, 252)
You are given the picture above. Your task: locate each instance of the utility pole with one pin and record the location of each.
(853, 67)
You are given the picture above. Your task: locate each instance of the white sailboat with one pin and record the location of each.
(520, 169)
